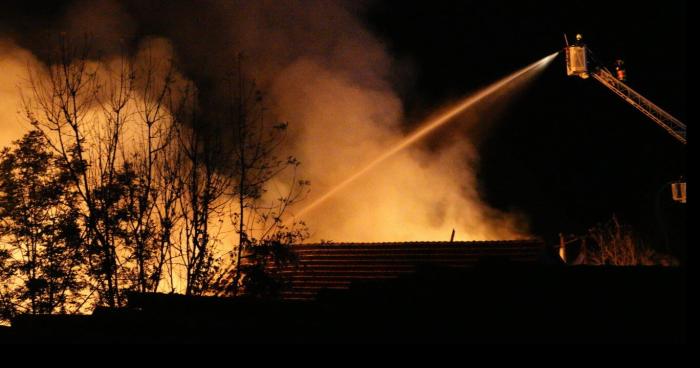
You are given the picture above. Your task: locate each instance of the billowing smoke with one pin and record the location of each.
(14, 63)
(325, 74)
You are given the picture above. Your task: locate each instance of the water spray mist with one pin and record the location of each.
(429, 127)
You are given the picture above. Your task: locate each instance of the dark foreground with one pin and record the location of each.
(489, 303)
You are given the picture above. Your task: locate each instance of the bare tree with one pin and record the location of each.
(85, 109)
(263, 234)
(168, 213)
(203, 182)
(616, 244)
(62, 106)
(148, 229)
(155, 178)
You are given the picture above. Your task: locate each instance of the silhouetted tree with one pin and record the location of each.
(616, 244)
(148, 230)
(203, 180)
(40, 244)
(149, 179)
(83, 124)
(263, 234)
(168, 213)
(110, 124)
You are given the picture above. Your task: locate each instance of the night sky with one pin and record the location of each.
(565, 152)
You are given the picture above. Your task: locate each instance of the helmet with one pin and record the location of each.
(579, 37)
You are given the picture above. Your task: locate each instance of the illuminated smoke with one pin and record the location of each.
(349, 130)
(328, 77)
(429, 127)
(14, 63)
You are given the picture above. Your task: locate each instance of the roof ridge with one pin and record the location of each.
(437, 242)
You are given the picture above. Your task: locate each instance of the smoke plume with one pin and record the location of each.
(323, 72)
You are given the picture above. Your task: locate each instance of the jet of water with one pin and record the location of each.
(428, 127)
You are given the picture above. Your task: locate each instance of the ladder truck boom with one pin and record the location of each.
(577, 64)
(672, 125)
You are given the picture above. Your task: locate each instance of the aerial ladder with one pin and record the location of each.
(578, 65)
